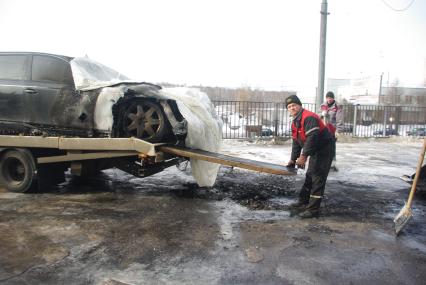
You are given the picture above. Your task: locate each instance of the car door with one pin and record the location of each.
(14, 81)
(54, 92)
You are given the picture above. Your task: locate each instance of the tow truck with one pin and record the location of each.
(34, 162)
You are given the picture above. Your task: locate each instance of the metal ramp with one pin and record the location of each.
(228, 160)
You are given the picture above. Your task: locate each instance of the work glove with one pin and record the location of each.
(291, 164)
(301, 161)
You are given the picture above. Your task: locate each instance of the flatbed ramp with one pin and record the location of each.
(228, 160)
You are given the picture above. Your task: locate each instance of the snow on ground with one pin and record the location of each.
(364, 160)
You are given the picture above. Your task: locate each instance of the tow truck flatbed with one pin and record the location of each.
(26, 159)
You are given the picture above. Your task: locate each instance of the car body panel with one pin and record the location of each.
(13, 101)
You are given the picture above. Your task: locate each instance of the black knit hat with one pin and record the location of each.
(292, 99)
(329, 95)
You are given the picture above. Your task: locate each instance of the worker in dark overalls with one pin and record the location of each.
(311, 140)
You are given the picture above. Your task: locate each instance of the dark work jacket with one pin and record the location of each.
(316, 134)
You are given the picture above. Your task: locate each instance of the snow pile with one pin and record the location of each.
(204, 129)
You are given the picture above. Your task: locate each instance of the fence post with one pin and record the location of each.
(354, 125)
(397, 118)
(276, 121)
(384, 120)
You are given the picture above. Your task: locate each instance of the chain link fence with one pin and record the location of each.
(245, 119)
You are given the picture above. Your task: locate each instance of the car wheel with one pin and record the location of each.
(145, 120)
(17, 170)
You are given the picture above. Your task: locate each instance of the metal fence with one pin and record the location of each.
(244, 119)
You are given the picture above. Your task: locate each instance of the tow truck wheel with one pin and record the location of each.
(17, 170)
(144, 120)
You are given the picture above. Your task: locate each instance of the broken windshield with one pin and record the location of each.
(90, 74)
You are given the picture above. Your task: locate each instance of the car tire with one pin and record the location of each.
(144, 119)
(18, 170)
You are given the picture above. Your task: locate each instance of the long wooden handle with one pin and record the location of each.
(416, 177)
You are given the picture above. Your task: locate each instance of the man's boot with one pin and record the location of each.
(297, 207)
(303, 199)
(308, 214)
(312, 210)
(301, 203)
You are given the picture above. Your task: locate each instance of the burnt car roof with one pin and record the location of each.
(63, 57)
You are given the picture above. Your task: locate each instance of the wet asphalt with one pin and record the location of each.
(164, 229)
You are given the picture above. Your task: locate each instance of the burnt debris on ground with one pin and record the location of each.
(253, 190)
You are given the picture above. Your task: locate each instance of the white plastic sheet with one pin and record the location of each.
(103, 117)
(204, 129)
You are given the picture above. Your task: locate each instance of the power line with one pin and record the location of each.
(398, 10)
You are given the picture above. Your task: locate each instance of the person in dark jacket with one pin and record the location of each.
(313, 140)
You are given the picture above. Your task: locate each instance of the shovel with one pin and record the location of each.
(405, 214)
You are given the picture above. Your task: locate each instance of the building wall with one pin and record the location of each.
(367, 91)
(404, 96)
(363, 90)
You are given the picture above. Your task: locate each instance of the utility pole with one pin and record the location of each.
(321, 68)
(380, 89)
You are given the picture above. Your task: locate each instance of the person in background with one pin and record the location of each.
(332, 115)
(313, 140)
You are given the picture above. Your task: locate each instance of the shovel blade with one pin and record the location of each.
(402, 219)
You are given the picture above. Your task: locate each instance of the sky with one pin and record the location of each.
(266, 44)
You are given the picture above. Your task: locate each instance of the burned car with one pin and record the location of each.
(46, 94)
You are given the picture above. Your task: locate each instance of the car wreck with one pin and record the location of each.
(46, 95)
(58, 95)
